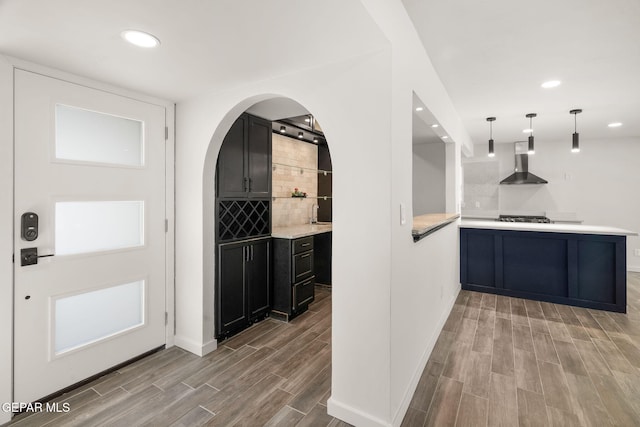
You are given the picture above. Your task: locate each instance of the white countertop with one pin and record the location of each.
(295, 231)
(548, 228)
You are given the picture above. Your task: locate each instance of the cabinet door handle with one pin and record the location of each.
(251, 252)
(305, 256)
(304, 245)
(249, 184)
(245, 184)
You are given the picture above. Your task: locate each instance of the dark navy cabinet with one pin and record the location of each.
(584, 270)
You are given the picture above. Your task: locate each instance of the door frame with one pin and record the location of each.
(8, 65)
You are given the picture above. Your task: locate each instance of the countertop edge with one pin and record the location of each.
(548, 228)
(421, 233)
(295, 232)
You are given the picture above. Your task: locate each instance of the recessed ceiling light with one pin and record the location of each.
(445, 137)
(527, 130)
(419, 108)
(434, 125)
(551, 83)
(140, 38)
(300, 135)
(615, 125)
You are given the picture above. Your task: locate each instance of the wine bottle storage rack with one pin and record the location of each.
(238, 219)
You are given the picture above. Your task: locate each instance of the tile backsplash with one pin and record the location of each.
(294, 166)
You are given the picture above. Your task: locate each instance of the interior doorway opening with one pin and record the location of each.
(272, 236)
(272, 222)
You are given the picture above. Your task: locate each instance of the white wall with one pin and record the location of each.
(424, 280)
(356, 91)
(6, 232)
(429, 178)
(600, 184)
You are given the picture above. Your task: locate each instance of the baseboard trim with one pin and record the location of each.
(194, 347)
(352, 415)
(634, 269)
(413, 385)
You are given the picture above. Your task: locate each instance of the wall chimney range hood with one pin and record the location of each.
(521, 174)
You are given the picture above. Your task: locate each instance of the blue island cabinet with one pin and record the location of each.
(584, 270)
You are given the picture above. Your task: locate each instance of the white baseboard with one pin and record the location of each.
(411, 389)
(194, 347)
(352, 415)
(634, 269)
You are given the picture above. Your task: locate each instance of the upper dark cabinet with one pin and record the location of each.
(244, 162)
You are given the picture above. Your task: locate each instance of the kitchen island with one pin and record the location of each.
(570, 264)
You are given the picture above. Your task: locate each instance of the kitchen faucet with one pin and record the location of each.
(313, 219)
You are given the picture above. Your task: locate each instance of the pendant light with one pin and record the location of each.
(531, 149)
(491, 150)
(575, 147)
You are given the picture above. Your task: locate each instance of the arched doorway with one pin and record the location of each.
(281, 353)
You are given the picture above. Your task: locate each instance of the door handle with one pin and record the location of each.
(29, 256)
(251, 252)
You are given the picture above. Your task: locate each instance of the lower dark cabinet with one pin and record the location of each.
(243, 285)
(293, 275)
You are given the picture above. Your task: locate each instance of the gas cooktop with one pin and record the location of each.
(524, 218)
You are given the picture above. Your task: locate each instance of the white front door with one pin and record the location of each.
(90, 168)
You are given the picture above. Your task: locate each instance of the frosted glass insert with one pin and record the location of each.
(89, 136)
(98, 226)
(89, 317)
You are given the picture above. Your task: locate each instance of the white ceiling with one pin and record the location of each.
(493, 55)
(206, 45)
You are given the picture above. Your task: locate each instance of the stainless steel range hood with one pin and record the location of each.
(522, 174)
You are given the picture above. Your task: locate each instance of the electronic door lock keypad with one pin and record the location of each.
(29, 226)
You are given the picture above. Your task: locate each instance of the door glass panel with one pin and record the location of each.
(89, 317)
(89, 136)
(82, 227)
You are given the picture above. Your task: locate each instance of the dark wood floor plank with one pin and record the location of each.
(443, 347)
(149, 407)
(489, 302)
(558, 331)
(592, 358)
(539, 326)
(526, 371)
(233, 410)
(570, 358)
(172, 413)
(299, 378)
(251, 334)
(311, 395)
(614, 358)
(444, 408)
(554, 386)
(108, 415)
(534, 309)
(483, 340)
(478, 375)
(522, 338)
(457, 362)
(414, 418)
(268, 407)
(503, 307)
(586, 402)
(200, 377)
(519, 312)
(427, 386)
(615, 400)
(466, 330)
(503, 403)
(532, 410)
(285, 417)
(180, 375)
(472, 412)
(628, 349)
(254, 360)
(317, 417)
(196, 417)
(82, 417)
(544, 348)
(549, 310)
(503, 361)
(300, 360)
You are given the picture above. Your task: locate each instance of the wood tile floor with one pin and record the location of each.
(272, 374)
(503, 361)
